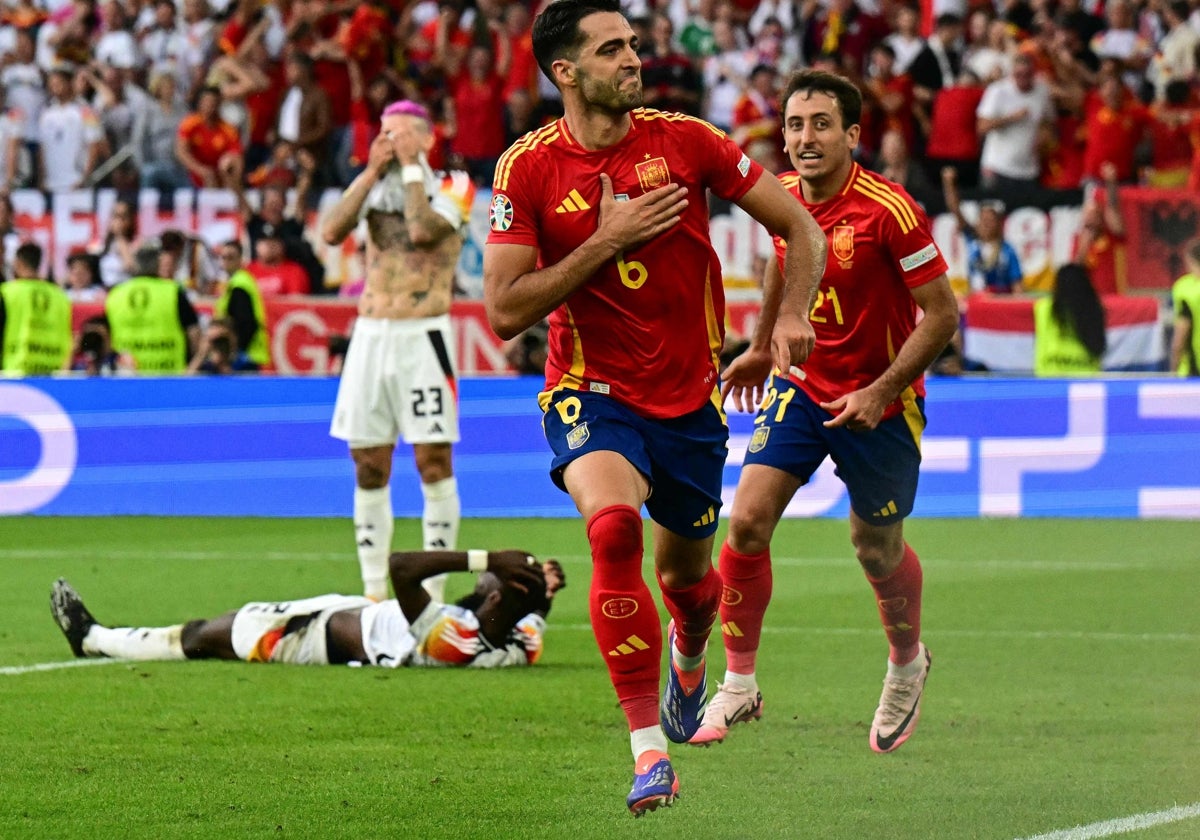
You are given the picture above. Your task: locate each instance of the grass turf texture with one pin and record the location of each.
(1064, 691)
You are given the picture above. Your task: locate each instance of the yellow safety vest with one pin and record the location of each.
(37, 327)
(143, 317)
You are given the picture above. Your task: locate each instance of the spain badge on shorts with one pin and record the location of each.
(759, 439)
(653, 173)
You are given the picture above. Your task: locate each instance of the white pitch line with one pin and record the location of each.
(962, 634)
(18, 670)
(1124, 825)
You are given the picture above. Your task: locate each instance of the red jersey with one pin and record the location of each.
(1105, 261)
(1113, 136)
(880, 247)
(647, 326)
(287, 278)
(953, 135)
(208, 143)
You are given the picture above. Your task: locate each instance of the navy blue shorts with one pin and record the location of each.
(879, 467)
(683, 458)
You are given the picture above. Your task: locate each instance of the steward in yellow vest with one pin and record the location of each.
(242, 302)
(35, 319)
(1068, 326)
(1185, 302)
(151, 319)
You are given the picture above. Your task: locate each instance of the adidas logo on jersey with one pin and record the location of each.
(887, 510)
(708, 518)
(573, 203)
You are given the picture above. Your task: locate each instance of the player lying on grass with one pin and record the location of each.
(499, 623)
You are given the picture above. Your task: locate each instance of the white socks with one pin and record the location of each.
(439, 526)
(746, 682)
(647, 738)
(373, 527)
(144, 643)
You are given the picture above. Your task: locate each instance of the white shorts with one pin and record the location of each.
(291, 632)
(398, 381)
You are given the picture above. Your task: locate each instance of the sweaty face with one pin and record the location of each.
(608, 71)
(817, 144)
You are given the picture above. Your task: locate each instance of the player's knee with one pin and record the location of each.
(371, 474)
(433, 463)
(750, 533)
(193, 640)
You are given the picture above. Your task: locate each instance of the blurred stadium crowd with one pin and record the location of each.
(282, 98)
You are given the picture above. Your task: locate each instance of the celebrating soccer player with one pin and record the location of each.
(600, 222)
(859, 399)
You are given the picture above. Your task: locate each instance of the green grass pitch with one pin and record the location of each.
(1065, 691)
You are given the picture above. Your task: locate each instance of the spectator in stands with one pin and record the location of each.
(1122, 41)
(209, 147)
(93, 354)
(523, 73)
(844, 28)
(1170, 140)
(1068, 326)
(939, 62)
(218, 352)
(115, 254)
(1009, 117)
(274, 273)
(725, 75)
(116, 46)
(83, 278)
(1114, 127)
(305, 115)
(199, 34)
(991, 59)
(119, 102)
(474, 123)
(154, 132)
(1100, 244)
(1176, 58)
(10, 235)
(276, 218)
(669, 79)
(757, 124)
(151, 319)
(14, 157)
(186, 259)
(69, 135)
(992, 263)
(165, 46)
(242, 303)
(1185, 304)
(368, 98)
(26, 95)
(905, 39)
(35, 319)
(888, 102)
(953, 129)
(894, 163)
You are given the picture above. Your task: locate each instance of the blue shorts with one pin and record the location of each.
(683, 458)
(879, 467)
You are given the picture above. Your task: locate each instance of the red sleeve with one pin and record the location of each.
(297, 281)
(730, 172)
(515, 212)
(912, 248)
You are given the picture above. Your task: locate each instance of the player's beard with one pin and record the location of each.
(614, 97)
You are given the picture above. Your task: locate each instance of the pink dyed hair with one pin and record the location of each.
(408, 108)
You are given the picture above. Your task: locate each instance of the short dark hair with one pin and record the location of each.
(556, 31)
(233, 243)
(29, 254)
(847, 94)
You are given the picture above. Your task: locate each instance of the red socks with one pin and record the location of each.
(694, 609)
(747, 592)
(899, 598)
(625, 618)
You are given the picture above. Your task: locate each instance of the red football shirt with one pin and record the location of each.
(647, 327)
(880, 247)
(1113, 136)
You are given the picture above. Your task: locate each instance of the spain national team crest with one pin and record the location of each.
(501, 213)
(843, 244)
(653, 173)
(578, 436)
(759, 439)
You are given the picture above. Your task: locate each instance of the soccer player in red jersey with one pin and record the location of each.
(859, 399)
(599, 221)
